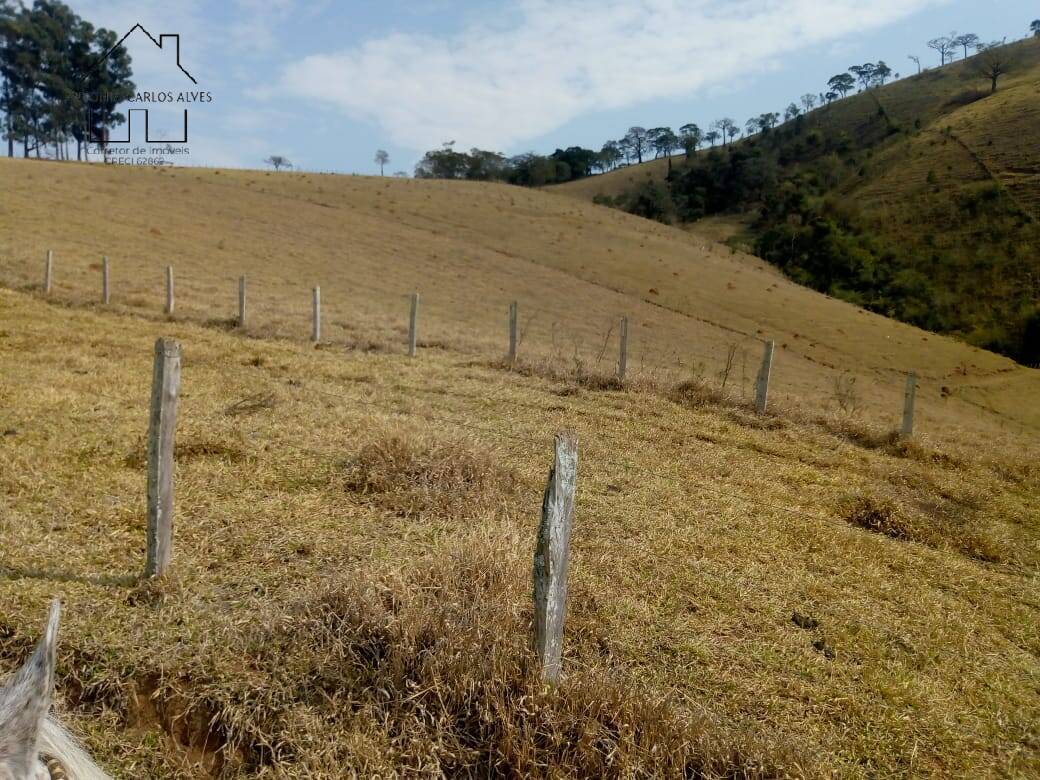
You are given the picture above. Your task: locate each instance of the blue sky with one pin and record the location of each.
(328, 83)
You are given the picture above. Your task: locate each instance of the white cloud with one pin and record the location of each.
(495, 86)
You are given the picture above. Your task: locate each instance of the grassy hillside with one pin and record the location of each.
(796, 593)
(471, 249)
(935, 178)
(350, 590)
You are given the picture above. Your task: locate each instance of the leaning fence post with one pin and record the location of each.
(316, 309)
(909, 397)
(762, 385)
(162, 422)
(512, 332)
(413, 324)
(550, 556)
(623, 350)
(241, 302)
(169, 289)
(48, 272)
(105, 297)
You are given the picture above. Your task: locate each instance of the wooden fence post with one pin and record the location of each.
(909, 397)
(762, 384)
(413, 318)
(550, 556)
(48, 272)
(162, 422)
(512, 332)
(623, 350)
(169, 289)
(242, 302)
(105, 291)
(316, 307)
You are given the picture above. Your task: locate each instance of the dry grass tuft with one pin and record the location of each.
(435, 665)
(419, 477)
(251, 404)
(189, 448)
(698, 394)
(890, 442)
(222, 323)
(879, 514)
(931, 521)
(577, 373)
(1025, 472)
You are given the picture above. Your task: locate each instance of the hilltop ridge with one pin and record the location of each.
(929, 185)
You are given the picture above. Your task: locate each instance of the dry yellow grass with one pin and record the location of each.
(354, 530)
(315, 629)
(470, 249)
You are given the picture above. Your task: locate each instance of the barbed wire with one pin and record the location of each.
(443, 311)
(639, 363)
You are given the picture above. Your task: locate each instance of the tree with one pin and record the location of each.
(691, 137)
(944, 45)
(881, 73)
(278, 162)
(610, 155)
(711, 137)
(864, 73)
(534, 170)
(54, 84)
(791, 112)
(831, 96)
(1034, 27)
(808, 102)
(10, 35)
(580, 161)
(382, 158)
(663, 141)
(762, 123)
(637, 140)
(993, 61)
(917, 61)
(842, 84)
(966, 41)
(727, 128)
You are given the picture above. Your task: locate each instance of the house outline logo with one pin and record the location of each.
(163, 37)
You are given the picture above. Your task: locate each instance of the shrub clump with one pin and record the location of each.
(696, 394)
(419, 477)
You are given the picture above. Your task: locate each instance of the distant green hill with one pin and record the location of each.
(919, 199)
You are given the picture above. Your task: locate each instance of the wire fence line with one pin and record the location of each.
(583, 331)
(547, 339)
(447, 305)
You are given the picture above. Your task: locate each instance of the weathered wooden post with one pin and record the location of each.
(413, 323)
(48, 272)
(162, 422)
(242, 302)
(169, 289)
(909, 397)
(623, 350)
(550, 556)
(512, 332)
(762, 384)
(316, 308)
(105, 292)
